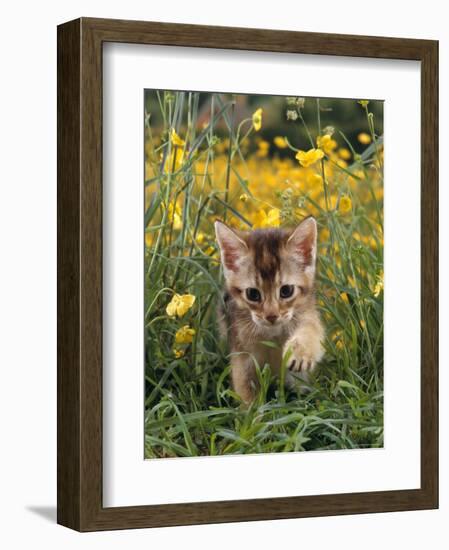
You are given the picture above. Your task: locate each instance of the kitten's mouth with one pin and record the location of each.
(269, 324)
(264, 323)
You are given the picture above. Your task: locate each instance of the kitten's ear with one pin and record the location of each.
(302, 242)
(232, 247)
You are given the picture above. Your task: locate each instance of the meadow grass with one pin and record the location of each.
(223, 169)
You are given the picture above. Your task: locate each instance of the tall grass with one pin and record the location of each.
(204, 164)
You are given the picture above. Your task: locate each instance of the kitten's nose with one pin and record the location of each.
(271, 318)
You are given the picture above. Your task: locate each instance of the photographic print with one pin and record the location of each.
(263, 273)
(221, 274)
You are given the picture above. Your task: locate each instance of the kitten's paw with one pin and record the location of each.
(301, 361)
(303, 355)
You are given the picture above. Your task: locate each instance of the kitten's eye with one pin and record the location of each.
(286, 291)
(253, 295)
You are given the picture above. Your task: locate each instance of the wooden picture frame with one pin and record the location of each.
(80, 351)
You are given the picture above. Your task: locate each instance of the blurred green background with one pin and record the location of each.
(345, 115)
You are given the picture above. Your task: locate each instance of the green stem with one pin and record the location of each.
(306, 129)
(318, 115)
(228, 167)
(165, 213)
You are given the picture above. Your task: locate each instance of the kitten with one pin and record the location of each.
(269, 280)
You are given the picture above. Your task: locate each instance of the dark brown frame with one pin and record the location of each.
(80, 274)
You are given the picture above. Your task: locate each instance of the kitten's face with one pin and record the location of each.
(269, 272)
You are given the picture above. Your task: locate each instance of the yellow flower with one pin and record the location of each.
(148, 239)
(351, 281)
(262, 219)
(379, 285)
(257, 119)
(364, 138)
(345, 205)
(200, 236)
(174, 216)
(273, 217)
(173, 161)
(330, 274)
(180, 304)
(280, 142)
(315, 180)
(184, 335)
(324, 234)
(175, 139)
(178, 353)
(372, 242)
(338, 338)
(259, 219)
(326, 143)
(363, 102)
(244, 197)
(307, 158)
(264, 147)
(344, 153)
(344, 297)
(362, 323)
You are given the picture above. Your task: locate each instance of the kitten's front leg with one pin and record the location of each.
(244, 380)
(306, 345)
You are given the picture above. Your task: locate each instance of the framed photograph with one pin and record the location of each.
(247, 274)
